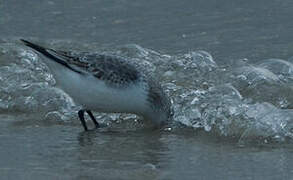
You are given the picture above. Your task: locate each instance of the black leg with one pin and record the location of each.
(93, 118)
(81, 118)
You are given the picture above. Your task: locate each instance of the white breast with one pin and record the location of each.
(94, 94)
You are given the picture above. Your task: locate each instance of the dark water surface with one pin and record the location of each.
(64, 152)
(230, 29)
(238, 119)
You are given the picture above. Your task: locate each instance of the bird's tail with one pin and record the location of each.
(35, 46)
(43, 51)
(49, 53)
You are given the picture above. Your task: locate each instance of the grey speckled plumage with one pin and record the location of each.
(107, 83)
(115, 71)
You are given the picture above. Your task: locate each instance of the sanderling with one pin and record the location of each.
(106, 83)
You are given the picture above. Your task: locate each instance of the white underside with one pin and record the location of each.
(94, 94)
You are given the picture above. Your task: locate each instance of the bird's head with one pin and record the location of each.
(160, 109)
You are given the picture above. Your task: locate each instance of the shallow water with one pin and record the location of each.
(233, 116)
(64, 152)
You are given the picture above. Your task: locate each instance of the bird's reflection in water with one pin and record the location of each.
(108, 148)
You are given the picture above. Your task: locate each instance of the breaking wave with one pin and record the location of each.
(244, 100)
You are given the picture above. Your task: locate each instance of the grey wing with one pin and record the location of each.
(115, 71)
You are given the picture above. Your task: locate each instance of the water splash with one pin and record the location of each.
(243, 100)
(27, 86)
